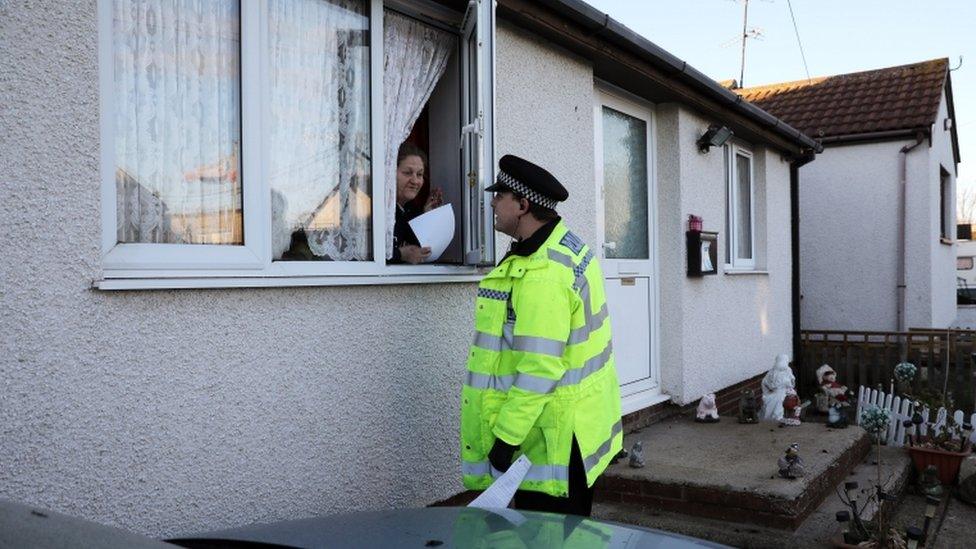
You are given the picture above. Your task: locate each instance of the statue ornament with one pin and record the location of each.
(707, 409)
(831, 392)
(748, 409)
(774, 386)
(791, 464)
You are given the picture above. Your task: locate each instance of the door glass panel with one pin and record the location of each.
(625, 185)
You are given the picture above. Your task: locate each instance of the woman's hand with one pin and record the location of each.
(435, 199)
(414, 254)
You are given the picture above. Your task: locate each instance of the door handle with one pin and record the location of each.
(609, 245)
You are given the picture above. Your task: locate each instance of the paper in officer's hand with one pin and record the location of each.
(434, 229)
(501, 492)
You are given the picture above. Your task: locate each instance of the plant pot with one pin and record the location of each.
(838, 542)
(945, 461)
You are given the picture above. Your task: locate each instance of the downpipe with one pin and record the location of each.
(902, 234)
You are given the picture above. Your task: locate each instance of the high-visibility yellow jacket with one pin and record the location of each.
(541, 368)
(477, 528)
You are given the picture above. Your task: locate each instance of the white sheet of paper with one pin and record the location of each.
(501, 492)
(706, 256)
(435, 229)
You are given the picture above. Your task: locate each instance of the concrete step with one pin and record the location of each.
(728, 470)
(815, 531)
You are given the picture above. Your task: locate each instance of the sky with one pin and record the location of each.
(838, 36)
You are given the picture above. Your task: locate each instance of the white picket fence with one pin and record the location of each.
(901, 409)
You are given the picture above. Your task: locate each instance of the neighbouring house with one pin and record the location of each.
(877, 208)
(965, 277)
(210, 333)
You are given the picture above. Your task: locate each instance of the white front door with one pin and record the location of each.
(626, 240)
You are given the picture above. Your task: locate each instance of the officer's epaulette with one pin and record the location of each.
(572, 242)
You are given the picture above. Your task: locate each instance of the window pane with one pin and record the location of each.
(743, 209)
(625, 185)
(177, 121)
(319, 159)
(728, 206)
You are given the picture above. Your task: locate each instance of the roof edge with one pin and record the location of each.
(619, 34)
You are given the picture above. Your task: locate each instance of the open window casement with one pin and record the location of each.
(477, 135)
(274, 172)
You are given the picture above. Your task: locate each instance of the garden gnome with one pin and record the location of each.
(928, 482)
(791, 464)
(707, 410)
(791, 409)
(637, 455)
(774, 386)
(829, 384)
(837, 416)
(748, 411)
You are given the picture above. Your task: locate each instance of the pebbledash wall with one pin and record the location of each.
(732, 325)
(169, 412)
(849, 216)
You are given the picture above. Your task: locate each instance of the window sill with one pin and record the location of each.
(195, 283)
(738, 272)
(946, 241)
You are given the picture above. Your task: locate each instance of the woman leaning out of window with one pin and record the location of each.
(411, 165)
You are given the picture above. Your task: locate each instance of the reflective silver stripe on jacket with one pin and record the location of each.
(488, 381)
(561, 258)
(539, 473)
(592, 324)
(538, 384)
(590, 367)
(593, 459)
(529, 344)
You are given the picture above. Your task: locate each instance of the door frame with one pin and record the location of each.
(647, 392)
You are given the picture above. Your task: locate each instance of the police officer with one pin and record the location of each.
(541, 379)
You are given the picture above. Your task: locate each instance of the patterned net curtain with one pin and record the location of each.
(177, 122)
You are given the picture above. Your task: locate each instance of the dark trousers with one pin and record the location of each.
(580, 500)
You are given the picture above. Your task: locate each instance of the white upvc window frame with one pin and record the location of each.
(732, 261)
(156, 266)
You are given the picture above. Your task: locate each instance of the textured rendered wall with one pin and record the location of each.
(849, 210)
(943, 255)
(849, 238)
(544, 113)
(169, 412)
(731, 326)
(671, 247)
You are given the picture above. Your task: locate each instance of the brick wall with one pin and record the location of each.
(727, 400)
(728, 405)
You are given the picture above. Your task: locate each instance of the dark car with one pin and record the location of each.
(25, 526)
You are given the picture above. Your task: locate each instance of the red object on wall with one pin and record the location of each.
(694, 223)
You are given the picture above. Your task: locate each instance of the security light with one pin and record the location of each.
(714, 136)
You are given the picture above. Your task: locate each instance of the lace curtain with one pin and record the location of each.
(177, 122)
(415, 57)
(320, 127)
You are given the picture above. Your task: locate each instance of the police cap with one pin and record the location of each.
(531, 181)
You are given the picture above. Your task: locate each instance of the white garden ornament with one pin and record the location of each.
(774, 386)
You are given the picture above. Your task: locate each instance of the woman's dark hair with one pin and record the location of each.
(409, 149)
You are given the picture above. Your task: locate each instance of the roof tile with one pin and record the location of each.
(893, 98)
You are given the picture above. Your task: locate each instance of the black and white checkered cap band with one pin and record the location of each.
(523, 190)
